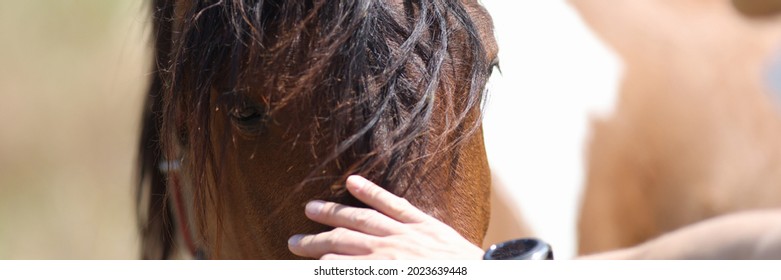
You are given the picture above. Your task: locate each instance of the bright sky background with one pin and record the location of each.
(556, 76)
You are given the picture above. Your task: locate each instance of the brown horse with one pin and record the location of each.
(695, 133)
(257, 107)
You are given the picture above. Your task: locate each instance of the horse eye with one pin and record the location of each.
(494, 66)
(249, 119)
(494, 75)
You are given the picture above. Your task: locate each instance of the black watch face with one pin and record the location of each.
(520, 249)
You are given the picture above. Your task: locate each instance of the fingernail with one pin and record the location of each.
(356, 181)
(293, 241)
(314, 207)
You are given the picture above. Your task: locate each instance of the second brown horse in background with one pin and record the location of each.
(695, 133)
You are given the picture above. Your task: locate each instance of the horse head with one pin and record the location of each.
(265, 105)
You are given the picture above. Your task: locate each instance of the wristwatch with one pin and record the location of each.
(520, 249)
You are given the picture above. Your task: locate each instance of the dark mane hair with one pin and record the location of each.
(374, 71)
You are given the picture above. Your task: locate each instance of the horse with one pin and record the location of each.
(257, 106)
(695, 132)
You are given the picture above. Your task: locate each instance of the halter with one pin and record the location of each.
(172, 168)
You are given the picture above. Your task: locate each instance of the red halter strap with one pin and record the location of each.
(172, 168)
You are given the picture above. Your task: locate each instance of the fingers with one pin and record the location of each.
(336, 257)
(339, 241)
(364, 220)
(374, 256)
(359, 231)
(395, 207)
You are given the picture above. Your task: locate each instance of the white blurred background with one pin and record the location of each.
(556, 76)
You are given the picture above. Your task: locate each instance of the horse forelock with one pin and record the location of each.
(373, 70)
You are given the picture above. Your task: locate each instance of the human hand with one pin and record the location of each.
(395, 230)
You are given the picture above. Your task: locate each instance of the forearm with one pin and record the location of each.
(744, 235)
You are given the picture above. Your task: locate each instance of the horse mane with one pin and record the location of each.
(374, 71)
